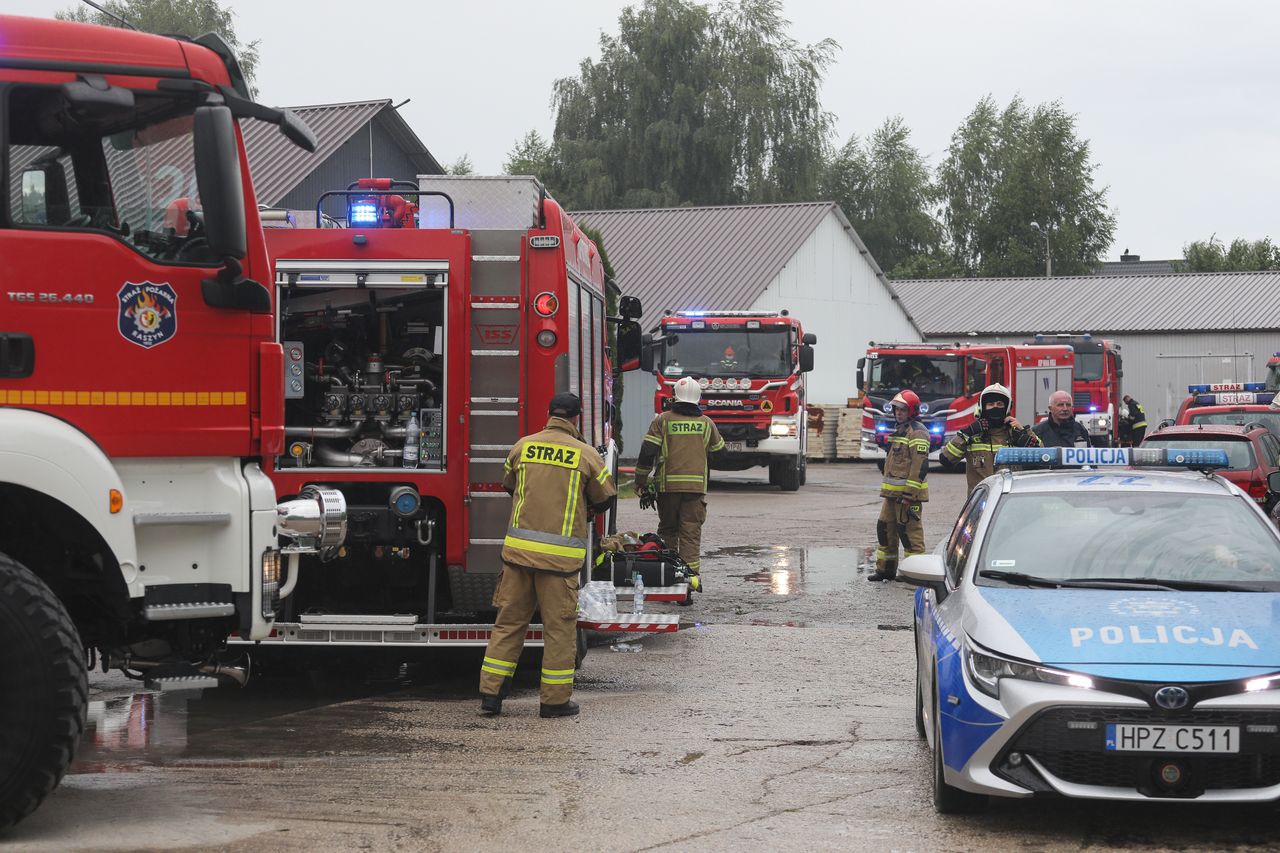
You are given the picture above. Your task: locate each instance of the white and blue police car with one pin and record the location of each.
(1107, 629)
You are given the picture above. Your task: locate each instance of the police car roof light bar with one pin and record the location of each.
(1199, 459)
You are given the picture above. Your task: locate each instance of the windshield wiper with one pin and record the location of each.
(1188, 585)
(1021, 579)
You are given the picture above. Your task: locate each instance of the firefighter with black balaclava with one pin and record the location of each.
(904, 488)
(993, 427)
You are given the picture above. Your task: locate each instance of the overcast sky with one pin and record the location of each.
(1177, 98)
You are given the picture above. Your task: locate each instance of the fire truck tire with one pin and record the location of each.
(45, 688)
(789, 475)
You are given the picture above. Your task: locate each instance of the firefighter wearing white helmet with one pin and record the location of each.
(904, 489)
(678, 445)
(993, 427)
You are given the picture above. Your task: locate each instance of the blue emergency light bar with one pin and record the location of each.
(1136, 457)
(1230, 386)
(363, 213)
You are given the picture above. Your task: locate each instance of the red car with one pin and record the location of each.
(1238, 415)
(1252, 450)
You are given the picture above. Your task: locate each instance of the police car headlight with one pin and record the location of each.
(985, 671)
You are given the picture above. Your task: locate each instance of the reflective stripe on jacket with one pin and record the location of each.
(553, 477)
(679, 444)
(907, 463)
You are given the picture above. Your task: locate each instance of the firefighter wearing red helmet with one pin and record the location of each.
(904, 489)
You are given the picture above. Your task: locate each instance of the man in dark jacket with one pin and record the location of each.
(1137, 419)
(1061, 429)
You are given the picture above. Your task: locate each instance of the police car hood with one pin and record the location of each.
(1131, 634)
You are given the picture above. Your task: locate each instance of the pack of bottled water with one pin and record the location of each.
(598, 602)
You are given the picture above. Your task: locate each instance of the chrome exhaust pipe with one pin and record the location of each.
(238, 674)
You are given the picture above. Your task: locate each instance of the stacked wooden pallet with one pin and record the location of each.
(848, 434)
(822, 432)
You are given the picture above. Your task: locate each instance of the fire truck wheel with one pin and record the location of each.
(45, 689)
(789, 475)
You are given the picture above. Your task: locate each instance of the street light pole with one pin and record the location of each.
(1048, 256)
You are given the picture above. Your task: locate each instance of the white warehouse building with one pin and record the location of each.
(1174, 330)
(805, 258)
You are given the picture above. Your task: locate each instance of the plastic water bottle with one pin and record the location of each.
(637, 600)
(412, 434)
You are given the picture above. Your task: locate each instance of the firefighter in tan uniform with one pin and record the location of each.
(553, 476)
(904, 489)
(993, 427)
(680, 441)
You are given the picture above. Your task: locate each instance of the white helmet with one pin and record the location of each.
(994, 390)
(687, 390)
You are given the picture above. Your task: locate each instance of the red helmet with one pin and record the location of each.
(908, 399)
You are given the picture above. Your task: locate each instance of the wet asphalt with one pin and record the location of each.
(779, 719)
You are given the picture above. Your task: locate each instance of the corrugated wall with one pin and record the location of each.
(1159, 367)
(837, 296)
(349, 163)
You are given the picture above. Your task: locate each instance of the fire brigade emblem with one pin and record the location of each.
(148, 313)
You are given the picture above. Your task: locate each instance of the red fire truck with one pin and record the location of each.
(1095, 384)
(751, 366)
(140, 381)
(420, 342)
(948, 379)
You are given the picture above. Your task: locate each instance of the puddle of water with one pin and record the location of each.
(792, 570)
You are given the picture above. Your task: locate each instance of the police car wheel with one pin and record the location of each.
(948, 799)
(45, 689)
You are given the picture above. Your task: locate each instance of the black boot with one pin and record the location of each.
(565, 709)
(490, 704)
(887, 573)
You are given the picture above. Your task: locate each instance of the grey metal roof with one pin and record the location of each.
(1134, 267)
(703, 257)
(1241, 301)
(277, 165)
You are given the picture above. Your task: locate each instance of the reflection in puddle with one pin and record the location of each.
(790, 570)
(123, 734)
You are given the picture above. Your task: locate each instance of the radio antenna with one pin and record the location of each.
(121, 18)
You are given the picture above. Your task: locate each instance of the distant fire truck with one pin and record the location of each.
(141, 382)
(948, 379)
(751, 366)
(1095, 384)
(420, 342)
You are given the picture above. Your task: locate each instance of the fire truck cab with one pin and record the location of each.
(1095, 384)
(949, 378)
(140, 381)
(751, 366)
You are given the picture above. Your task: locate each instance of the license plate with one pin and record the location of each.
(1237, 398)
(735, 446)
(1158, 738)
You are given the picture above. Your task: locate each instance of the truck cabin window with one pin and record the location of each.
(128, 173)
(730, 352)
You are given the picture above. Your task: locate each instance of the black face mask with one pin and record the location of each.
(995, 417)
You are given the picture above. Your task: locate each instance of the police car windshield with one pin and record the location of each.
(736, 351)
(1270, 420)
(1239, 450)
(928, 376)
(1078, 535)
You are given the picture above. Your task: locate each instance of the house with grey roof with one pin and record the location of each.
(805, 258)
(1174, 330)
(355, 140)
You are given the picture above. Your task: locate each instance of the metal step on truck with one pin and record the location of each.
(422, 338)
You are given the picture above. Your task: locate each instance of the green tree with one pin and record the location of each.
(1007, 169)
(690, 104)
(886, 189)
(532, 155)
(177, 17)
(461, 166)
(1241, 256)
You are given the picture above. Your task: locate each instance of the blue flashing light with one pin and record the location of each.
(1181, 457)
(936, 429)
(694, 313)
(882, 427)
(363, 213)
(1028, 455)
(1093, 408)
(1226, 387)
(1197, 389)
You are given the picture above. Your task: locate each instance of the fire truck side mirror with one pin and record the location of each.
(218, 179)
(862, 365)
(647, 347)
(809, 339)
(806, 358)
(630, 346)
(629, 307)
